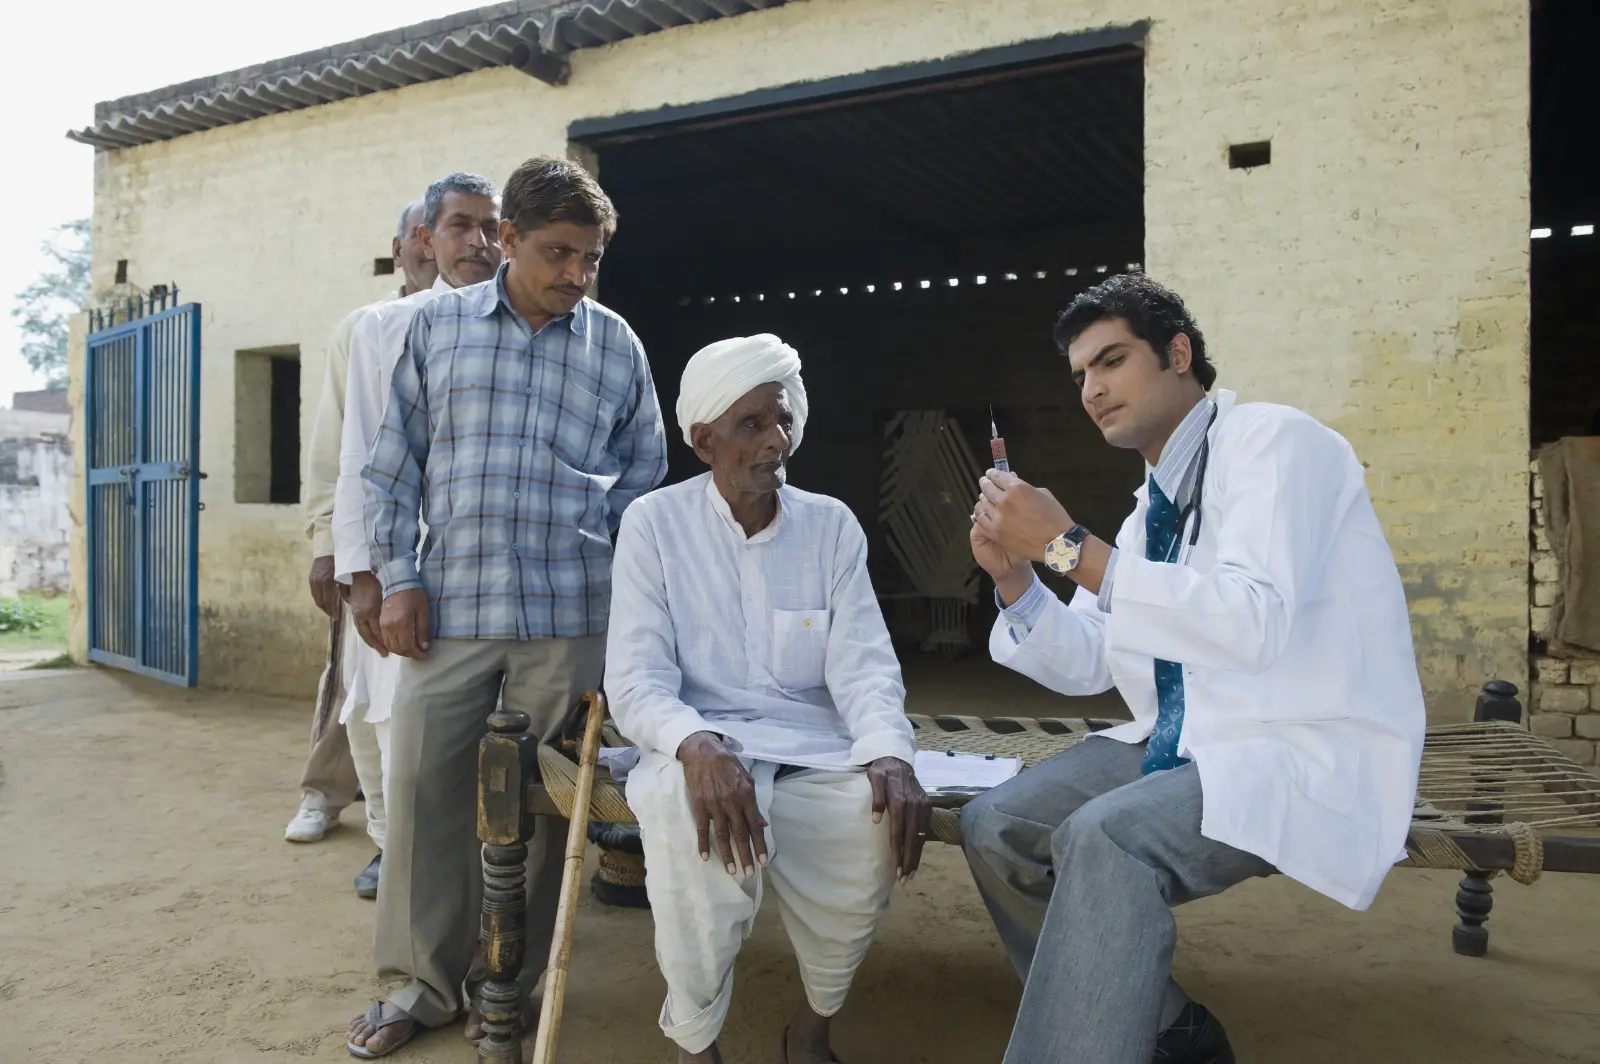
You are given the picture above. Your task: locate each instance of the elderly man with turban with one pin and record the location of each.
(748, 660)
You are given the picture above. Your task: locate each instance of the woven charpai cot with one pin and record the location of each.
(1485, 779)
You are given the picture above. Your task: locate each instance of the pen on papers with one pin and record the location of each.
(997, 446)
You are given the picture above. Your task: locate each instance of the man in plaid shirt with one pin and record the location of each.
(521, 421)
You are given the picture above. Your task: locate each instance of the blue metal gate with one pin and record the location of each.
(142, 399)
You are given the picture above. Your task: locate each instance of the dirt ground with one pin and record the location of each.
(151, 912)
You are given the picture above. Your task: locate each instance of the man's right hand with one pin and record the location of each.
(723, 798)
(403, 621)
(324, 588)
(1012, 576)
(365, 598)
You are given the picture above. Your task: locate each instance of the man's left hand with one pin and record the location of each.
(895, 790)
(365, 596)
(1019, 517)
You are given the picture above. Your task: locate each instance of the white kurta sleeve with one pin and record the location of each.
(363, 413)
(1279, 498)
(322, 451)
(642, 675)
(862, 672)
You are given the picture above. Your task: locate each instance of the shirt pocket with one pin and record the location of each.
(799, 648)
(576, 425)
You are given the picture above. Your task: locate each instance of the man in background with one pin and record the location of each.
(460, 214)
(332, 775)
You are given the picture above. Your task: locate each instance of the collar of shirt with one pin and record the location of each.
(491, 296)
(720, 507)
(1179, 462)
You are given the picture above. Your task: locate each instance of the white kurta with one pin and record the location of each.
(776, 643)
(1303, 711)
(377, 341)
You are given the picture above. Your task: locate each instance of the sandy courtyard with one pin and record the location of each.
(150, 912)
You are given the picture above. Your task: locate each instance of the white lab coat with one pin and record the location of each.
(1303, 711)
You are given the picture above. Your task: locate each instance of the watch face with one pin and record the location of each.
(1062, 555)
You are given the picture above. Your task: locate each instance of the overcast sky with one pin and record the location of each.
(60, 65)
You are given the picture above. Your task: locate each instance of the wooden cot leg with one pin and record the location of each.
(505, 944)
(1474, 899)
(507, 759)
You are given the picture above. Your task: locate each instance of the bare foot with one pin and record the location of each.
(377, 1040)
(805, 1040)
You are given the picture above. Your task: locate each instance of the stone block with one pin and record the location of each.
(1539, 619)
(1578, 750)
(1544, 594)
(1552, 725)
(1563, 700)
(1586, 671)
(1541, 539)
(1587, 726)
(1551, 670)
(1546, 570)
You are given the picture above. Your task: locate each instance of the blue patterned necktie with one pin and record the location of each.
(1160, 533)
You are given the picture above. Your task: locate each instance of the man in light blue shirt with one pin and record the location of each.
(521, 421)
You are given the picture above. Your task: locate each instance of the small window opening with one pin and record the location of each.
(1247, 156)
(267, 426)
(122, 271)
(382, 267)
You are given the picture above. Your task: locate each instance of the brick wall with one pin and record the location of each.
(1564, 704)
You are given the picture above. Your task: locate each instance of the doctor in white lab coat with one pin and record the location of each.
(1250, 614)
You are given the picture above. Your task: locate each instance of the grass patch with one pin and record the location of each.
(33, 623)
(62, 660)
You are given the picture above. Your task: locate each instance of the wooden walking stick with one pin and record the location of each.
(555, 978)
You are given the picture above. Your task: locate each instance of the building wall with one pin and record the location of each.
(1564, 702)
(35, 475)
(1375, 273)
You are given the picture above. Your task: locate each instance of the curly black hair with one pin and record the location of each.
(1153, 311)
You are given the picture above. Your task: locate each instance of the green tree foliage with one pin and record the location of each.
(45, 307)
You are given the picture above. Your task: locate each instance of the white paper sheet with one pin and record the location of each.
(946, 773)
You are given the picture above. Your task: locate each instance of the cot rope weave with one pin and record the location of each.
(1489, 779)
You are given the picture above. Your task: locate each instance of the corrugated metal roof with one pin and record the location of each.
(501, 35)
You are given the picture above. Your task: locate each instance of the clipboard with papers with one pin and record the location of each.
(949, 773)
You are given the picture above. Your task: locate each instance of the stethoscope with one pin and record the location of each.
(1193, 509)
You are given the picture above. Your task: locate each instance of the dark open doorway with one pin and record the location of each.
(1565, 268)
(913, 234)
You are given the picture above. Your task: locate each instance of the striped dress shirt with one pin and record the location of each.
(521, 451)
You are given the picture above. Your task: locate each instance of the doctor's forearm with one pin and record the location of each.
(1092, 562)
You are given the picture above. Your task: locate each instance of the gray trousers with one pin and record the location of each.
(1080, 860)
(430, 902)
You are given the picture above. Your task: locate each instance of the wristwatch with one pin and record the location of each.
(1062, 553)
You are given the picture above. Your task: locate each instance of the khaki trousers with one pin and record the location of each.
(329, 780)
(430, 904)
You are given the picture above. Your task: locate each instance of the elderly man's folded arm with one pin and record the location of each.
(642, 674)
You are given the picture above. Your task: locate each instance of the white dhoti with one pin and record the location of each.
(828, 863)
(368, 700)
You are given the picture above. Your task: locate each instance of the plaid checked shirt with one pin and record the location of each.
(520, 451)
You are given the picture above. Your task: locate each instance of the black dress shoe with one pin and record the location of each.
(367, 881)
(1194, 1038)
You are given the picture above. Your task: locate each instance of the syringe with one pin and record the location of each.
(997, 446)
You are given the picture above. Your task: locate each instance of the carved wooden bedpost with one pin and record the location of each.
(507, 761)
(1475, 895)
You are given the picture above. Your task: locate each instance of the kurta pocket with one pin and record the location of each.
(799, 648)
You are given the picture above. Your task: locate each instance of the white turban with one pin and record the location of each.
(718, 375)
